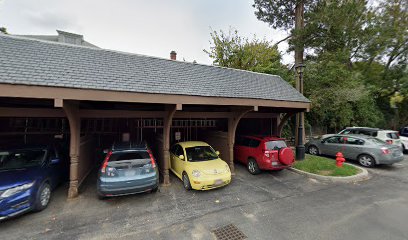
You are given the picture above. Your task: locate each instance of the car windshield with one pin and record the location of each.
(275, 145)
(200, 154)
(21, 159)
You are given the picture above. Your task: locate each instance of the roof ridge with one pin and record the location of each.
(23, 37)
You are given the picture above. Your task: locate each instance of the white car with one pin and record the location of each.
(404, 141)
(389, 136)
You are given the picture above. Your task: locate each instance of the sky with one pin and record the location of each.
(150, 27)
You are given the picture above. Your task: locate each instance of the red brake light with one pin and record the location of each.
(105, 162)
(389, 141)
(385, 150)
(266, 152)
(152, 158)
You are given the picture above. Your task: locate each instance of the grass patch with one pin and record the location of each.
(325, 167)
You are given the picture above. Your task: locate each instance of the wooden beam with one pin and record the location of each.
(58, 102)
(42, 92)
(120, 114)
(91, 113)
(179, 106)
(31, 112)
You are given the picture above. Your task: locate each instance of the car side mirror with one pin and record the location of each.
(55, 161)
(181, 157)
(217, 152)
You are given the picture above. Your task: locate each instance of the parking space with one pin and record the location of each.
(149, 212)
(281, 204)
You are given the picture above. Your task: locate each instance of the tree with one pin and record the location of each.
(3, 30)
(233, 51)
(286, 14)
(339, 96)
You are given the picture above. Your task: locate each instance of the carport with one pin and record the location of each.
(90, 90)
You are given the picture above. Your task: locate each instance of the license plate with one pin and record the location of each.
(130, 173)
(218, 182)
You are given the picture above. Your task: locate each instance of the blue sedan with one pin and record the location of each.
(27, 177)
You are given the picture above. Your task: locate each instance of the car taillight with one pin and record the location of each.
(267, 153)
(389, 141)
(385, 150)
(105, 162)
(152, 159)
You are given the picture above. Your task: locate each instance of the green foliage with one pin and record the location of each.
(233, 51)
(356, 62)
(3, 30)
(280, 14)
(339, 97)
(334, 26)
(356, 58)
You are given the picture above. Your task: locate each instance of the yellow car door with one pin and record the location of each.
(177, 164)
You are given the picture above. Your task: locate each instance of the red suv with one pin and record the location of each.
(263, 153)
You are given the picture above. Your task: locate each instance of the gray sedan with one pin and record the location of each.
(368, 151)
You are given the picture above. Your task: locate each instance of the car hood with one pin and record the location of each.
(16, 177)
(210, 166)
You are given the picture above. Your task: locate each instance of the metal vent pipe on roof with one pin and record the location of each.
(173, 55)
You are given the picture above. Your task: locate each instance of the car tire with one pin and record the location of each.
(253, 167)
(186, 182)
(366, 161)
(313, 150)
(101, 197)
(154, 190)
(404, 150)
(43, 197)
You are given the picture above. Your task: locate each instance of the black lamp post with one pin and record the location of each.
(300, 148)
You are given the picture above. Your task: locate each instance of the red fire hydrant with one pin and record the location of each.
(340, 159)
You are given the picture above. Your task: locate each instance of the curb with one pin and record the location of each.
(362, 176)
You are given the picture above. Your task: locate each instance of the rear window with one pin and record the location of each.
(275, 145)
(127, 156)
(393, 135)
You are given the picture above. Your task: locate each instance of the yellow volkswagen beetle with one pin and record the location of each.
(198, 166)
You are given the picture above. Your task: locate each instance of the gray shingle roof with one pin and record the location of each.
(35, 62)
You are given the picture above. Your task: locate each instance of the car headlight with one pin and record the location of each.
(11, 191)
(196, 173)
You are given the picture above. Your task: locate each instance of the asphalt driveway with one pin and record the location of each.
(279, 205)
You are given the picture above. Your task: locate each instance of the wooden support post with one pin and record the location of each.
(168, 118)
(72, 111)
(233, 121)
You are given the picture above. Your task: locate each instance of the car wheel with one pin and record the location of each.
(186, 182)
(43, 197)
(253, 167)
(101, 197)
(404, 150)
(156, 189)
(366, 161)
(313, 150)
